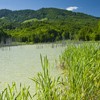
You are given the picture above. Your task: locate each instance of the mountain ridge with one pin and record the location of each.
(50, 13)
(48, 25)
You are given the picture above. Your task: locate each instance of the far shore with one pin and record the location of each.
(65, 42)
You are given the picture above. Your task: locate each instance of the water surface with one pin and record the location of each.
(19, 63)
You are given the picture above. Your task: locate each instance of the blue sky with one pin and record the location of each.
(91, 7)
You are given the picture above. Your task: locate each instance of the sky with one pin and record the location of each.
(91, 7)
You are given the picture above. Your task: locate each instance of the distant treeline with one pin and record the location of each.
(48, 25)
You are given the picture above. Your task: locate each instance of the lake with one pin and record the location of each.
(19, 63)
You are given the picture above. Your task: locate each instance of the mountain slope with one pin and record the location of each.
(48, 24)
(50, 13)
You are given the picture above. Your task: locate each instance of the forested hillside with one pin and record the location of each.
(48, 25)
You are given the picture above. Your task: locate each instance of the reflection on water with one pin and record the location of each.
(19, 63)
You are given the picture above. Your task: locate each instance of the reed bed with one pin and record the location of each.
(82, 64)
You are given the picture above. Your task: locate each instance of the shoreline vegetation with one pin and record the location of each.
(62, 42)
(80, 80)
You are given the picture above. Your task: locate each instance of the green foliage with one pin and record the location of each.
(46, 87)
(12, 93)
(82, 63)
(49, 24)
(3, 35)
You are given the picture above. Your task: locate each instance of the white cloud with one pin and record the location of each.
(72, 8)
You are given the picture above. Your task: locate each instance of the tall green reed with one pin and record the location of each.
(13, 93)
(82, 63)
(47, 87)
